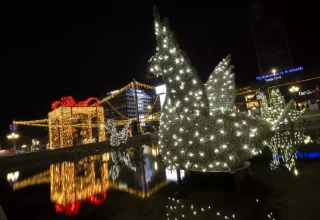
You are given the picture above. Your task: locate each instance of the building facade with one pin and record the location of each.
(305, 82)
(123, 106)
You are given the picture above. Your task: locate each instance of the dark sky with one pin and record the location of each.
(48, 53)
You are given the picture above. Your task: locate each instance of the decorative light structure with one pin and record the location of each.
(198, 128)
(67, 115)
(117, 138)
(290, 134)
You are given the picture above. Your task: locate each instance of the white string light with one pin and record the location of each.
(117, 138)
(198, 128)
(285, 141)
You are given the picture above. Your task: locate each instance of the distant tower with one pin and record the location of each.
(269, 36)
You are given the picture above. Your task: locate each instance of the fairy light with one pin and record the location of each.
(117, 138)
(284, 142)
(67, 114)
(202, 116)
(130, 85)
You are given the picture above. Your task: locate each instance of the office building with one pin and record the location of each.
(270, 41)
(123, 105)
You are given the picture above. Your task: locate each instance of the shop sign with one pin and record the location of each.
(308, 92)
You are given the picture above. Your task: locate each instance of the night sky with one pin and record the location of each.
(49, 53)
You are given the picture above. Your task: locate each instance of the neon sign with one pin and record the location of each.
(272, 79)
(308, 92)
(271, 75)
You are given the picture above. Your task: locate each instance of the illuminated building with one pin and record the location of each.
(123, 106)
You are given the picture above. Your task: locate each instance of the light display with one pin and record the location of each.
(198, 128)
(177, 209)
(72, 184)
(117, 138)
(118, 158)
(13, 177)
(67, 187)
(220, 87)
(68, 101)
(39, 178)
(130, 85)
(290, 134)
(63, 120)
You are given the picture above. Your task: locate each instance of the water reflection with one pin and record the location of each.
(73, 183)
(180, 209)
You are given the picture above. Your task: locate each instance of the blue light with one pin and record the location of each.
(308, 155)
(279, 73)
(305, 155)
(13, 127)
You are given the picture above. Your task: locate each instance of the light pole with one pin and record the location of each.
(13, 136)
(274, 71)
(294, 90)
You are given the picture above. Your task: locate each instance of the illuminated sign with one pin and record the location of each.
(271, 75)
(308, 92)
(272, 79)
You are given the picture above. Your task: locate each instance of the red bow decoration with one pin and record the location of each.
(68, 101)
(73, 208)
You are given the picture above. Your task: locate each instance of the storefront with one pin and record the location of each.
(306, 92)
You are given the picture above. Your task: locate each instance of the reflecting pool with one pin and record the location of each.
(133, 183)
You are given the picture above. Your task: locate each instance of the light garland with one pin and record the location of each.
(117, 138)
(131, 85)
(290, 135)
(198, 128)
(38, 123)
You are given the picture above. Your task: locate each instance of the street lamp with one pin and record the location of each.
(13, 136)
(294, 90)
(274, 71)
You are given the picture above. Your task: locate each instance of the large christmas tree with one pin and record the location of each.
(198, 128)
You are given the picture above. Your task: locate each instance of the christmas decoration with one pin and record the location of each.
(290, 133)
(68, 101)
(117, 138)
(119, 158)
(198, 128)
(65, 118)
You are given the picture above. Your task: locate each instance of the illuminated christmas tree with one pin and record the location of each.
(198, 128)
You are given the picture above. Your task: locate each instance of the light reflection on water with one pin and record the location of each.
(88, 180)
(76, 186)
